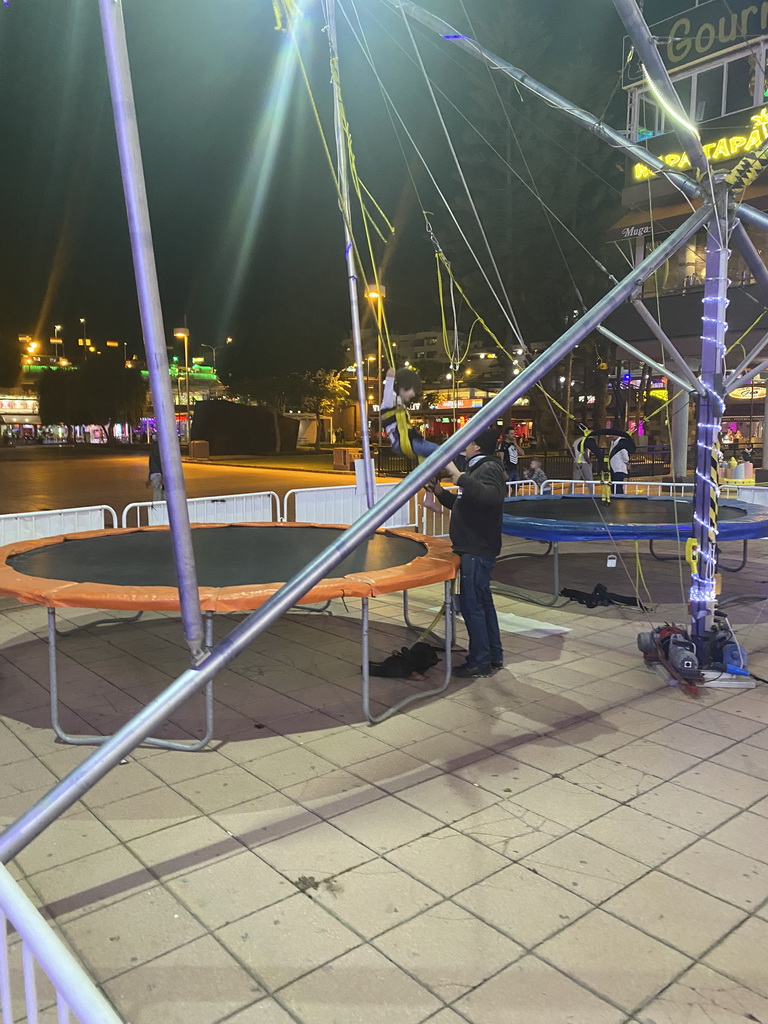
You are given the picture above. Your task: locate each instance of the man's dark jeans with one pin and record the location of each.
(476, 604)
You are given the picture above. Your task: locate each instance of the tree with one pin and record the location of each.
(320, 392)
(101, 391)
(10, 362)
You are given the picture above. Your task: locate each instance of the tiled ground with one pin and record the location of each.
(568, 841)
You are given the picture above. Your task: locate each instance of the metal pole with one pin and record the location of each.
(664, 371)
(752, 258)
(680, 364)
(645, 45)
(86, 775)
(678, 423)
(126, 128)
(343, 178)
(703, 597)
(739, 377)
(582, 117)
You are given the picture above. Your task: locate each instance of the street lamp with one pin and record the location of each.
(182, 332)
(84, 342)
(377, 294)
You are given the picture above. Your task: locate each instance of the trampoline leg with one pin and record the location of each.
(742, 563)
(81, 740)
(422, 695)
(521, 595)
(100, 622)
(450, 623)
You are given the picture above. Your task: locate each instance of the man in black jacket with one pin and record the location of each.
(476, 535)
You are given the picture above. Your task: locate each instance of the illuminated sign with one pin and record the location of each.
(18, 405)
(724, 149)
(748, 393)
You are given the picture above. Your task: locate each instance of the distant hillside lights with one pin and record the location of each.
(724, 149)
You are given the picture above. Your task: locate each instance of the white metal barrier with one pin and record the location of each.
(260, 507)
(18, 526)
(40, 949)
(436, 524)
(638, 488)
(340, 505)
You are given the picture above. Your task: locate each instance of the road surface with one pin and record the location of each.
(37, 478)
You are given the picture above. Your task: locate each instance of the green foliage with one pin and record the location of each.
(101, 391)
(10, 362)
(320, 392)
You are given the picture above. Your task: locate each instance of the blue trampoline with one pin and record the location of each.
(553, 519)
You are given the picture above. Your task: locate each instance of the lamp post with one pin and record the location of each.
(182, 332)
(377, 294)
(85, 333)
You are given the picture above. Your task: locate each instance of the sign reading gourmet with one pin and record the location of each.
(701, 33)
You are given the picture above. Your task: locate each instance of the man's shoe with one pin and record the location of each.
(496, 666)
(471, 671)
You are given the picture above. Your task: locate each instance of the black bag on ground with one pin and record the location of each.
(406, 662)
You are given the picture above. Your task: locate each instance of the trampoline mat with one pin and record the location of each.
(665, 511)
(228, 556)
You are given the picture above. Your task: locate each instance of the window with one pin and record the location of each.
(709, 94)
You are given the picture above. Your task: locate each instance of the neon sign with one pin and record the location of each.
(724, 149)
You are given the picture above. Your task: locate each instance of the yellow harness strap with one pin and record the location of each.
(403, 420)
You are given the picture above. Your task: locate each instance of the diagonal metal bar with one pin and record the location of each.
(746, 375)
(129, 149)
(603, 131)
(87, 774)
(749, 215)
(645, 45)
(752, 258)
(663, 371)
(661, 336)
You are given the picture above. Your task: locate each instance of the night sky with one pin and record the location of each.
(237, 234)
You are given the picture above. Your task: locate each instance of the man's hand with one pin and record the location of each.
(453, 472)
(391, 372)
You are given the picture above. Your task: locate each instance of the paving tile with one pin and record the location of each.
(287, 767)
(283, 942)
(744, 757)
(194, 984)
(750, 707)
(447, 714)
(595, 735)
(266, 1011)
(176, 765)
(374, 897)
(597, 951)
(718, 721)
(741, 956)
(724, 784)
(502, 774)
(134, 931)
(93, 881)
(446, 1017)
(647, 714)
(550, 755)
(66, 839)
(447, 751)
(724, 873)
(23, 776)
(226, 787)
(348, 747)
(758, 739)
(395, 771)
(448, 950)
(144, 813)
(585, 867)
(386, 824)
(653, 758)
(684, 807)
(564, 803)
(745, 833)
(607, 778)
(264, 819)
(540, 994)
(448, 798)
(230, 889)
(337, 993)
(522, 904)
(334, 793)
(510, 829)
(683, 917)
(702, 995)
(638, 835)
(182, 848)
(681, 736)
(318, 851)
(447, 860)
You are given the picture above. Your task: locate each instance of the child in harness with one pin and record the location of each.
(400, 389)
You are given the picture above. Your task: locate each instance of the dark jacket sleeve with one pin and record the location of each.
(486, 485)
(446, 498)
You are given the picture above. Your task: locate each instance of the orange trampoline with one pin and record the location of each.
(238, 566)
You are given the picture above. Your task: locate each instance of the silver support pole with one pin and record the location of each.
(87, 774)
(126, 129)
(343, 179)
(663, 371)
(582, 117)
(645, 45)
(680, 364)
(752, 258)
(744, 371)
(678, 428)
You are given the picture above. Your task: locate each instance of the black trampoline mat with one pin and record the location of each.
(226, 556)
(574, 509)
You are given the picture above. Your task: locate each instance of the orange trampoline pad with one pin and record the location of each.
(239, 566)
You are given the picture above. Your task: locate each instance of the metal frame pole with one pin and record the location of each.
(86, 775)
(661, 336)
(752, 258)
(354, 302)
(688, 382)
(129, 149)
(703, 597)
